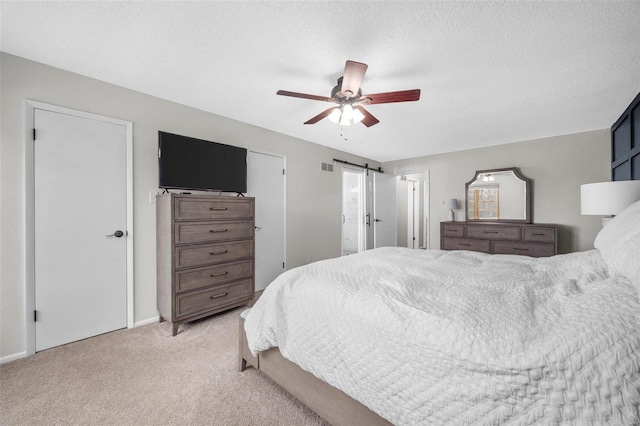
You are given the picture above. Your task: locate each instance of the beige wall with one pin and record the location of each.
(557, 167)
(313, 196)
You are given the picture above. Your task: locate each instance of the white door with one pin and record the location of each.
(352, 211)
(413, 214)
(267, 185)
(80, 184)
(385, 215)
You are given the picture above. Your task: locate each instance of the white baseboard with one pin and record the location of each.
(9, 358)
(147, 321)
(13, 357)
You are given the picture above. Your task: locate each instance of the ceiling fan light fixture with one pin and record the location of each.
(357, 116)
(344, 119)
(335, 115)
(345, 115)
(347, 111)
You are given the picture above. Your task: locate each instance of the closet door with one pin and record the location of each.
(80, 209)
(267, 186)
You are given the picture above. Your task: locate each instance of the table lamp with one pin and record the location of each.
(608, 198)
(451, 204)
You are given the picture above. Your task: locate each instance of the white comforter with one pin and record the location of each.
(435, 337)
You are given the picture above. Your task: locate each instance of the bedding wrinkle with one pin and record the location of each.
(459, 338)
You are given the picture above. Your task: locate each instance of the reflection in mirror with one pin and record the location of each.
(500, 195)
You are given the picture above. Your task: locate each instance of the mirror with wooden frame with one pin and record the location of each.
(499, 195)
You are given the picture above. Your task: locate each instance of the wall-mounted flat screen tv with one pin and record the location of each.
(196, 164)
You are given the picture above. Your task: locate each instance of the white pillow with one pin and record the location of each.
(619, 244)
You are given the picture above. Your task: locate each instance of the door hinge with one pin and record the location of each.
(34, 134)
(35, 316)
(282, 172)
(282, 265)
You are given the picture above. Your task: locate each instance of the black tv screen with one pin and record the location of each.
(189, 163)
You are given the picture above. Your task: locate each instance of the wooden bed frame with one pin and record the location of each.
(333, 405)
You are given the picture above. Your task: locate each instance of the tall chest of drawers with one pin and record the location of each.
(205, 255)
(536, 240)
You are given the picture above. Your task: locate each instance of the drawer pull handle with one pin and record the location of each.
(540, 234)
(217, 231)
(218, 208)
(217, 296)
(218, 274)
(521, 249)
(489, 232)
(212, 253)
(464, 244)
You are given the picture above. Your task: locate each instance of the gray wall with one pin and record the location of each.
(557, 167)
(313, 196)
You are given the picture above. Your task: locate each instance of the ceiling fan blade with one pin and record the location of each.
(389, 97)
(352, 78)
(320, 116)
(368, 120)
(304, 96)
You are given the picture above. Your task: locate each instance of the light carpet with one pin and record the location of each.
(143, 376)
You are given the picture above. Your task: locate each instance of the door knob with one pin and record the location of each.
(378, 220)
(116, 234)
(258, 228)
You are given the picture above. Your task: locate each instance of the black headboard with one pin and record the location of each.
(625, 144)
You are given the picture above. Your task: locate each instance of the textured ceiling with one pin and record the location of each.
(490, 72)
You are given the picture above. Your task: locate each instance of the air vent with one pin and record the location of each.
(325, 167)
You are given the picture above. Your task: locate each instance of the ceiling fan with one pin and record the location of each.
(347, 94)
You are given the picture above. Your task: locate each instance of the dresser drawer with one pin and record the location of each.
(464, 244)
(534, 250)
(209, 254)
(203, 209)
(539, 235)
(192, 303)
(193, 279)
(508, 233)
(202, 232)
(452, 230)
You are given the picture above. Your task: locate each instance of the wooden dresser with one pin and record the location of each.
(536, 240)
(205, 255)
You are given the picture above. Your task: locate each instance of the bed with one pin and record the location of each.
(407, 337)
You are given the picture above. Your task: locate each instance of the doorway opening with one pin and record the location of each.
(369, 217)
(413, 213)
(413, 210)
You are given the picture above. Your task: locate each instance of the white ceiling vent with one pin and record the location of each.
(325, 167)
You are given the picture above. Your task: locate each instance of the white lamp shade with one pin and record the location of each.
(608, 198)
(451, 203)
(357, 116)
(335, 115)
